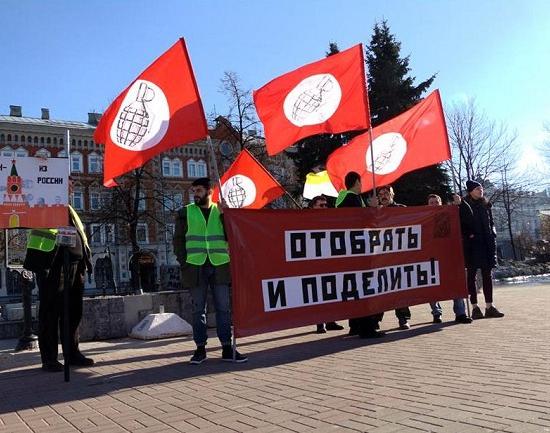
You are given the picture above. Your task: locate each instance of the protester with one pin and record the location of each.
(201, 248)
(365, 327)
(45, 258)
(320, 202)
(385, 199)
(479, 240)
(459, 306)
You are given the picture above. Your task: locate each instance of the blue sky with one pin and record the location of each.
(74, 57)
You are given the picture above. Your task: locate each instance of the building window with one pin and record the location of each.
(21, 153)
(176, 167)
(191, 197)
(62, 154)
(166, 167)
(95, 234)
(95, 203)
(178, 200)
(201, 169)
(94, 163)
(142, 235)
(109, 233)
(191, 168)
(76, 162)
(78, 200)
(7, 152)
(43, 153)
(142, 205)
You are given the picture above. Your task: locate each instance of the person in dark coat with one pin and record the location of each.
(320, 202)
(385, 199)
(479, 241)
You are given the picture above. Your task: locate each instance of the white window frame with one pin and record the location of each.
(166, 167)
(191, 168)
(21, 152)
(96, 235)
(76, 157)
(177, 168)
(109, 231)
(62, 154)
(95, 163)
(142, 201)
(95, 200)
(43, 153)
(201, 169)
(145, 228)
(80, 194)
(7, 152)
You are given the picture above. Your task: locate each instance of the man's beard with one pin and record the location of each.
(201, 201)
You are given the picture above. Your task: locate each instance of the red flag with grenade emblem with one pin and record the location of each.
(160, 110)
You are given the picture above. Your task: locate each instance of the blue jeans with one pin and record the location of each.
(222, 303)
(459, 307)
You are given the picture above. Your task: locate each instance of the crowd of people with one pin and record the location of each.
(201, 248)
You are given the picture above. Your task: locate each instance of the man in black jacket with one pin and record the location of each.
(47, 264)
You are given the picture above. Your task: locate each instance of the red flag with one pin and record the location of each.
(328, 96)
(160, 110)
(416, 138)
(247, 184)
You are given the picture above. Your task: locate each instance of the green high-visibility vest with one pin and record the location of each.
(205, 238)
(342, 196)
(44, 239)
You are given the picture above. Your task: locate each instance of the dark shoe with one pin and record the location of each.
(199, 356)
(353, 331)
(321, 329)
(333, 326)
(437, 319)
(372, 334)
(81, 361)
(493, 312)
(404, 325)
(463, 319)
(52, 367)
(227, 355)
(476, 313)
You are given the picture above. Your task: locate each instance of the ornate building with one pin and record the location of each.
(164, 188)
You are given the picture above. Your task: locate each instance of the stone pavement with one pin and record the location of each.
(492, 375)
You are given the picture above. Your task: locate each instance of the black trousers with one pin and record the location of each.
(51, 315)
(403, 314)
(487, 284)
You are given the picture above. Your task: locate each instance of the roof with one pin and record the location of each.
(43, 122)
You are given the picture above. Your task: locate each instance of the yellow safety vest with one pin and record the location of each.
(44, 239)
(343, 194)
(205, 238)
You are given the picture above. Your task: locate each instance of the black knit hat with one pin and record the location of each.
(471, 185)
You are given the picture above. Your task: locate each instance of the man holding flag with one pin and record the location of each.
(200, 246)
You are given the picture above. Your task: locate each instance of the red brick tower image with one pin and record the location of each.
(14, 190)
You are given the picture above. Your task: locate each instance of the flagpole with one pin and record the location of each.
(372, 161)
(265, 169)
(293, 199)
(215, 164)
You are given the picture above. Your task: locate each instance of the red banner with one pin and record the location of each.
(293, 268)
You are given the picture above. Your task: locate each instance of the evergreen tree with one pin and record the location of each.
(391, 92)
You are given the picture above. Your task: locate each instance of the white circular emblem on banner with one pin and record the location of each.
(389, 151)
(142, 119)
(239, 191)
(314, 100)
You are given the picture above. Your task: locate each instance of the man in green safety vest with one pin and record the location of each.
(45, 258)
(201, 248)
(365, 327)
